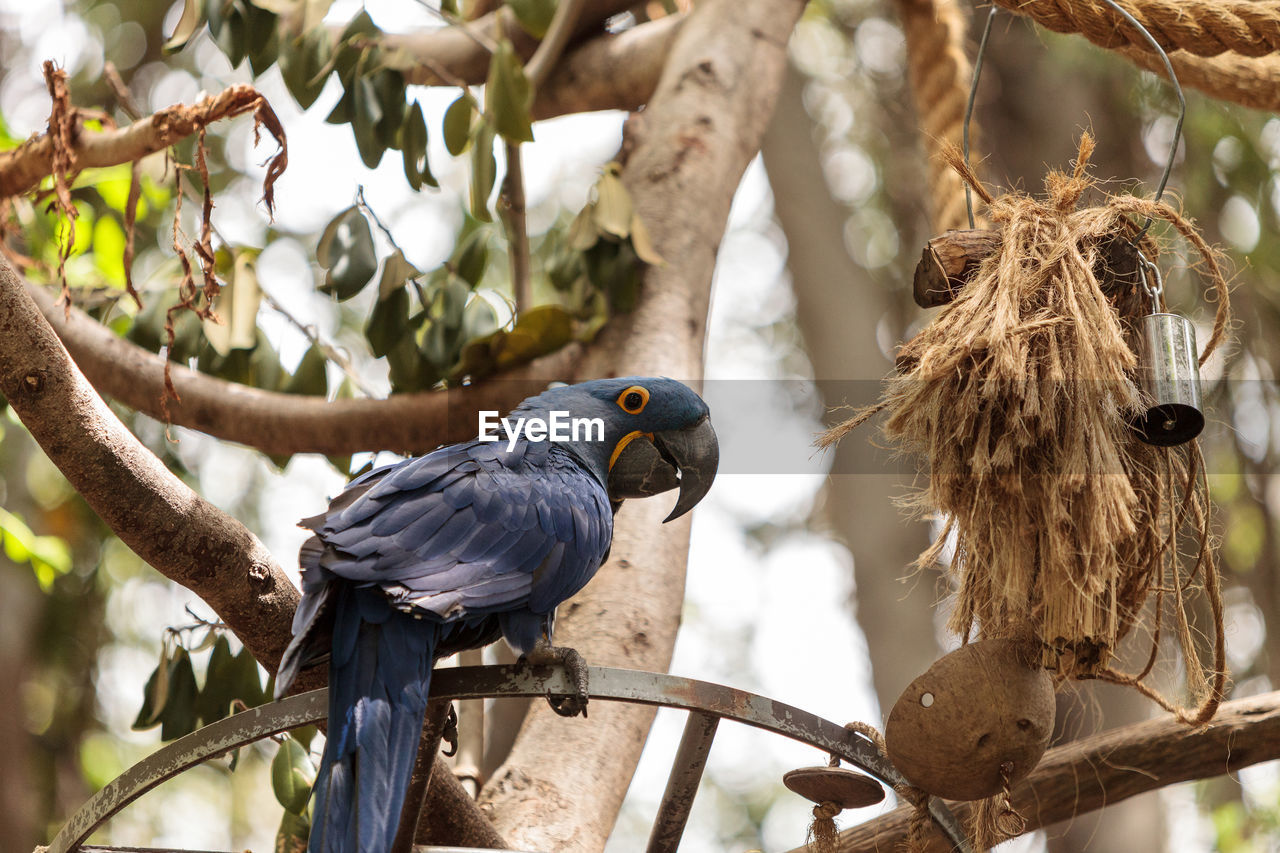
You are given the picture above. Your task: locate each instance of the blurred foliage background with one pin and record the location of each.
(773, 604)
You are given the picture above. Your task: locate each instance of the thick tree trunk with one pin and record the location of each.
(564, 782)
(838, 308)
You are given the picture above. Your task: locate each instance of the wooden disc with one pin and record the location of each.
(975, 712)
(846, 788)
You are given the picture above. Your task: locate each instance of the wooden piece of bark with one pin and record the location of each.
(950, 260)
(947, 263)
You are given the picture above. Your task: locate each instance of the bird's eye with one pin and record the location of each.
(633, 400)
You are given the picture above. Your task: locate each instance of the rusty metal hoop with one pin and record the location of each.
(707, 704)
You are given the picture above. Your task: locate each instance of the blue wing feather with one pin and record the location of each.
(470, 540)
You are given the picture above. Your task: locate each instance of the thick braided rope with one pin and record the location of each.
(1248, 81)
(940, 75)
(1200, 27)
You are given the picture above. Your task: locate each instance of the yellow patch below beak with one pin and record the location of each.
(623, 442)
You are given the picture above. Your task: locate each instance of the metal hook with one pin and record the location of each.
(968, 108)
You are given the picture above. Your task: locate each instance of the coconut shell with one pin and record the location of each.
(846, 788)
(974, 712)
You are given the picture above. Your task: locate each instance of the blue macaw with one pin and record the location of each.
(449, 551)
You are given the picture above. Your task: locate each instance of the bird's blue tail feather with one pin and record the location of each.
(379, 675)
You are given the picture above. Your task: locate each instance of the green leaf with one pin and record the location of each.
(534, 15)
(246, 681)
(368, 116)
(612, 269)
(396, 272)
(311, 377)
(346, 252)
(413, 145)
(409, 370)
(216, 12)
(264, 42)
(345, 110)
(301, 62)
(292, 775)
(389, 85)
(453, 302)
(457, 124)
(154, 695)
(508, 96)
(472, 256)
(234, 37)
(484, 171)
(187, 25)
(389, 322)
(179, 715)
(435, 345)
(214, 702)
(540, 330)
(293, 833)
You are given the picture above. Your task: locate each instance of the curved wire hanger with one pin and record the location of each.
(1168, 67)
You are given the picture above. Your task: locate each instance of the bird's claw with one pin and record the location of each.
(567, 704)
(450, 732)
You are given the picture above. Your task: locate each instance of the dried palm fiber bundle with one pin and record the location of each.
(1019, 396)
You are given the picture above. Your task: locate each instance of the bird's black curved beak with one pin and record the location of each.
(687, 458)
(695, 453)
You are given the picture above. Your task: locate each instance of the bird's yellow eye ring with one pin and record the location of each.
(633, 400)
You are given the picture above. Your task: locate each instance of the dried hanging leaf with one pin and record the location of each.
(642, 244)
(236, 307)
(613, 209)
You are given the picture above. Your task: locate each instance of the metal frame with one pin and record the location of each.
(706, 703)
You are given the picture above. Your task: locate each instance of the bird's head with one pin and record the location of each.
(642, 435)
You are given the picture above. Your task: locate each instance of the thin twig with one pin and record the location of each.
(331, 352)
(464, 25)
(124, 97)
(364, 205)
(554, 42)
(511, 201)
(511, 207)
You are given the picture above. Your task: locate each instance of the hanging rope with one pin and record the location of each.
(1201, 27)
(1247, 81)
(940, 74)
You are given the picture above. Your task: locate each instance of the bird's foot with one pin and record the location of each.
(449, 734)
(568, 704)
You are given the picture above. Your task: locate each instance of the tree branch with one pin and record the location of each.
(181, 535)
(457, 53)
(684, 156)
(24, 167)
(609, 72)
(289, 423)
(1113, 766)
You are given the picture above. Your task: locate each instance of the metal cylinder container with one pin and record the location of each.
(1169, 377)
